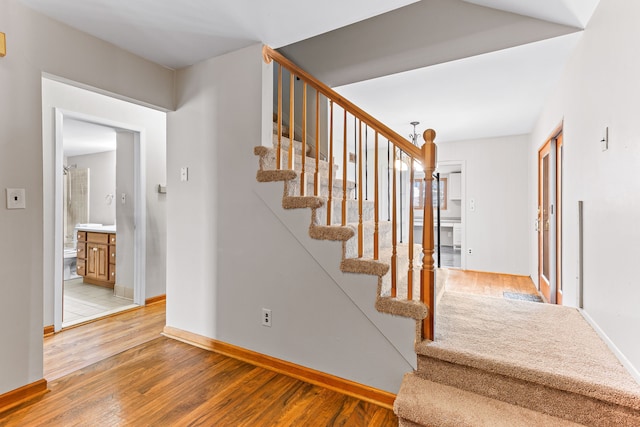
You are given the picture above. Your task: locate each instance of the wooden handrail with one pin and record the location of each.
(353, 190)
(270, 54)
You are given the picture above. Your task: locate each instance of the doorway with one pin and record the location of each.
(549, 218)
(104, 237)
(97, 166)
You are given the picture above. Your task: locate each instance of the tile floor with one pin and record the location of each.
(83, 302)
(449, 257)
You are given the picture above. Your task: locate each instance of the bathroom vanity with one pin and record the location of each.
(96, 255)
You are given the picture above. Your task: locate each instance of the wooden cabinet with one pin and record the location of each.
(96, 258)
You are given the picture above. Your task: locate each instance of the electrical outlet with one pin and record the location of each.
(184, 174)
(16, 198)
(470, 251)
(266, 317)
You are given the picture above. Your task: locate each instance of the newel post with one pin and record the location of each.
(427, 276)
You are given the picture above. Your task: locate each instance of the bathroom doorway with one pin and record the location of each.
(97, 166)
(143, 242)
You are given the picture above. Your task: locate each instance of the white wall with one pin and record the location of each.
(125, 214)
(229, 255)
(600, 88)
(36, 44)
(496, 176)
(102, 181)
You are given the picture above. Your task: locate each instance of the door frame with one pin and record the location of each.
(140, 208)
(553, 146)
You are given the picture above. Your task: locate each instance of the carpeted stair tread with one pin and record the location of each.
(426, 403)
(298, 202)
(512, 350)
(275, 175)
(332, 232)
(364, 266)
(402, 307)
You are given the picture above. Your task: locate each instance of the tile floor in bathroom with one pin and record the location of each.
(83, 302)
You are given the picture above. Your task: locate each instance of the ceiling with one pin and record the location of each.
(482, 68)
(80, 137)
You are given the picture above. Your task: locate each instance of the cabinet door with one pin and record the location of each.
(457, 235)
(80, 270)
(112, 273)
(97, 265)
(112, 254)
(81, 250)
(455, 186)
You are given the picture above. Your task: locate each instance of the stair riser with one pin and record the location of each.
(551, 401)
(336, 194)
(384, 240)
(297, 145)
(403, 274)
(309, 166)
(352, 212)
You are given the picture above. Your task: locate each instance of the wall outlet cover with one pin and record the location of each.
(16, 198)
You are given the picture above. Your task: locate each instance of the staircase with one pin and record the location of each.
(490, 362)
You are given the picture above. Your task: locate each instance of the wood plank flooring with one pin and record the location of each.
(84, 345)
(163, 382)
(488, 284)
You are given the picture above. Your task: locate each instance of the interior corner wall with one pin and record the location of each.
(496, 178)
(599, 89)
(37, 45)
(229, 255)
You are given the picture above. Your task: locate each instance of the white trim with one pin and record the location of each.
(621, 357)
(139, 215)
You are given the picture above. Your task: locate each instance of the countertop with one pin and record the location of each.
(96, 228)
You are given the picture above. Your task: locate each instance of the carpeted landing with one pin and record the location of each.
(509, 362)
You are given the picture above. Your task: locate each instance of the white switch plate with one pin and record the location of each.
(472, 205)
(604, 143)
(184, 174)
(16, 198)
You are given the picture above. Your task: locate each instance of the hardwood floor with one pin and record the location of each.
(163, 382)
(81, 346)
(488, 284)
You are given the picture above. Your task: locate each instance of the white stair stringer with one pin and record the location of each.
(360, 288)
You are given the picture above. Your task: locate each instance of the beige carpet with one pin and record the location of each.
(529, 340)
(534, 356)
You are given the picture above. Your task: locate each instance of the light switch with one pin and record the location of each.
(472, 205)
(16, 198)
(184, 174)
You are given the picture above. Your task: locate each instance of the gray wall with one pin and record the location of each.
(35, 45)
(599, 88)
(496, 176)
(125, 221)
(102, 181)
(229, 255)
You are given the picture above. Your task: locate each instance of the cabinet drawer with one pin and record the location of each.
(82, 250)
(112, 239)
(80, 270)
(112, 254)
(97, 237)
(82, 236)
(112, 273)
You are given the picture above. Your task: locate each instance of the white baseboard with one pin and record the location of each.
(621, 357)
